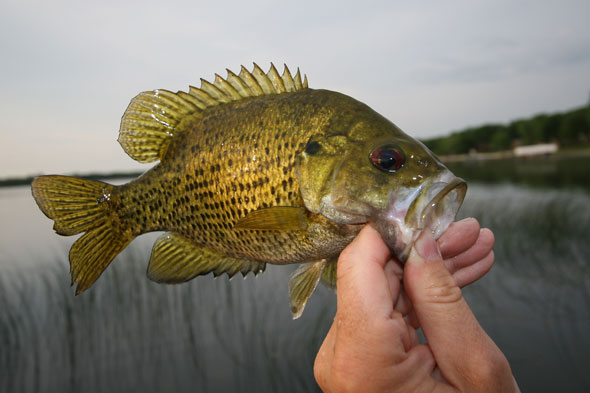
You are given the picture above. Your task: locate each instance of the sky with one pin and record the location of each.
(69, 68)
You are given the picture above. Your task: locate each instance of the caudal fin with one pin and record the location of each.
(76, 206)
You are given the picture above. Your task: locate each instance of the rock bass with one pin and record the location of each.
(254, 168)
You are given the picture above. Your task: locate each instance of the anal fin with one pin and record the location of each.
(302, 283)
(176, 259)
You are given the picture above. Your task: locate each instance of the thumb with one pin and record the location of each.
(461, 348)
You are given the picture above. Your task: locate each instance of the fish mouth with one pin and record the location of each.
(432, 206)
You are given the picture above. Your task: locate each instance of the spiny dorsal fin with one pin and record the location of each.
(152, 117)
(176, 259)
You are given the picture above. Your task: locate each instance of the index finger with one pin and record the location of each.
(361, 280)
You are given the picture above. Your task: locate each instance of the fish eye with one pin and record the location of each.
(312, 147)
(388, 158)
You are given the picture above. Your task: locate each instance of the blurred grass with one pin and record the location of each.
(129, 334)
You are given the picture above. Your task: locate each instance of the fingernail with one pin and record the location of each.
(426, 246)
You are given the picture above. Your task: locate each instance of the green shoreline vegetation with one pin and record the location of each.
(570, 130)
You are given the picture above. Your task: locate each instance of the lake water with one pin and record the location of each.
(128, 334)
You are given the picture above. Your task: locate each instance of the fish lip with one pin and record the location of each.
(434, 206)
(428, 210)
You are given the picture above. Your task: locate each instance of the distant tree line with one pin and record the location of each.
(567, 129)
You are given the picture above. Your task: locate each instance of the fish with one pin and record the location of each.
(253, 169)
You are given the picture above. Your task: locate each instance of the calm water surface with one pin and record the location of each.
(128, 334)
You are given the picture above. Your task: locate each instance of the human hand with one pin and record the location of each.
(373, 345)
(467, 252)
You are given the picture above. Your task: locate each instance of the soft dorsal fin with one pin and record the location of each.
(152, 117)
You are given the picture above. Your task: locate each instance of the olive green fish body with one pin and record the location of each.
(253, 169)
(238, 158)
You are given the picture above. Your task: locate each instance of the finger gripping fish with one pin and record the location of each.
(253, 169)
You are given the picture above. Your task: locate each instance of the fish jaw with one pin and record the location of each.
(433, 206)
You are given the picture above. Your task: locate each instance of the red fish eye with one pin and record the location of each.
(388, 158)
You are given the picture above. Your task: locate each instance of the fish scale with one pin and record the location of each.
(253, 169)
(225, 166)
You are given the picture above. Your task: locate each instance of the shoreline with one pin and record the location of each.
(509, 155)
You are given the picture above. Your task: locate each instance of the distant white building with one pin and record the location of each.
(536, 150)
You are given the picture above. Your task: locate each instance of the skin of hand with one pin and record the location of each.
(372, 345)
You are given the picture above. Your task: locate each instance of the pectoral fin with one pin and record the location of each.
(284, 218)
(176, 259)
(329, 274)
(302, 283)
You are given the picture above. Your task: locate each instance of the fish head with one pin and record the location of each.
(362, 168)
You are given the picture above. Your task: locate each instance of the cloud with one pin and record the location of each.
(70, 68)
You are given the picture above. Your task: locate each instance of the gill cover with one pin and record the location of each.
(362, 168)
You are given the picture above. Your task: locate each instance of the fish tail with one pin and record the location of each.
(79, 205)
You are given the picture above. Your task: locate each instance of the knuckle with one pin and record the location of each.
(490, 369)
(444, 291)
